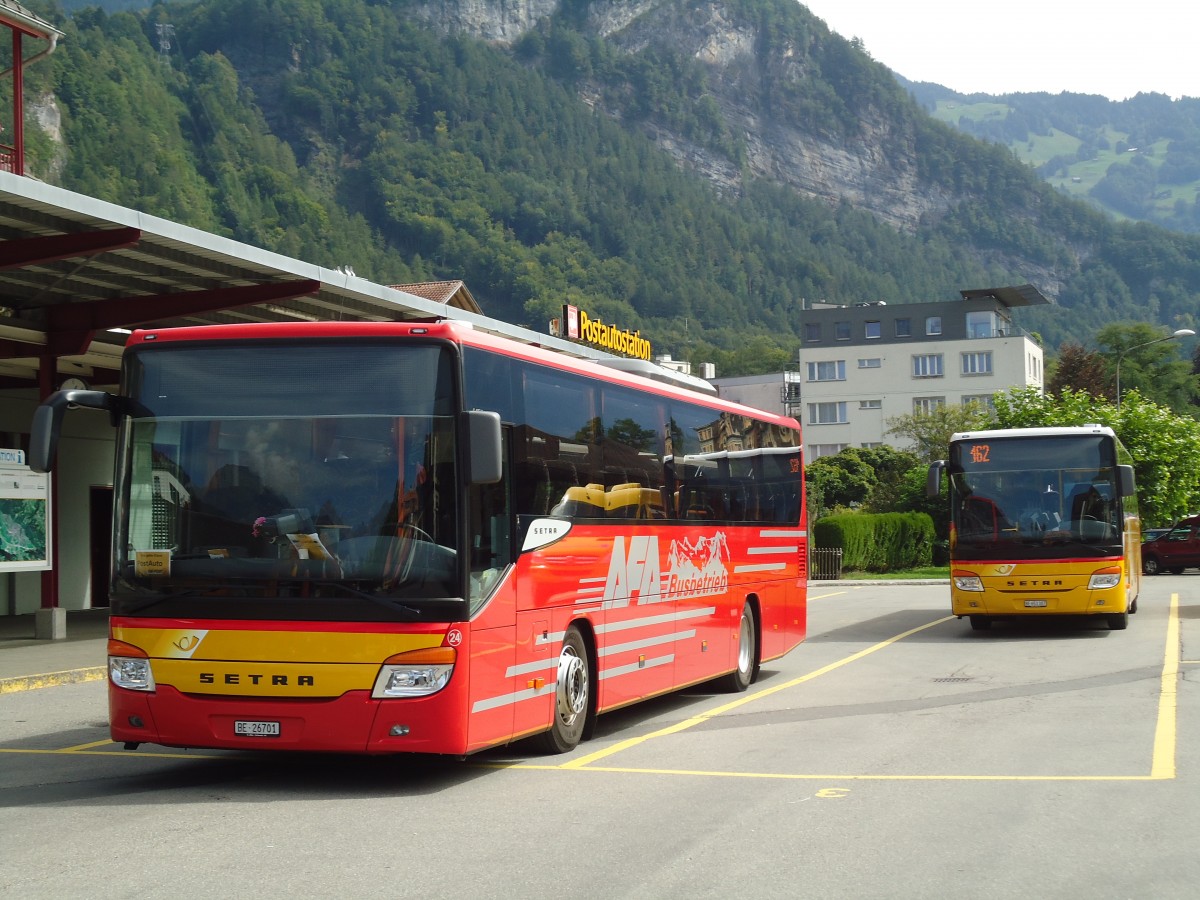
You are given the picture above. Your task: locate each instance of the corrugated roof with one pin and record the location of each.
(1015, 295)
(72, 265)
(24, 20)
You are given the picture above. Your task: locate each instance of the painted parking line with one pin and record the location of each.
(126, 754)
(1162, 757)
(1162, 762)
(51, 679)
(583, 761)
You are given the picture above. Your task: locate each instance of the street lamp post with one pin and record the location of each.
(1181, 332)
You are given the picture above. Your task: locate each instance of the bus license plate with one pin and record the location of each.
(1035, 602)
(257, 729)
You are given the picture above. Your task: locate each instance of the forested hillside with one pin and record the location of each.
(692, 170)
(1139, 159)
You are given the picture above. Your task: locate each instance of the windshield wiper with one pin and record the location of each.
(386, 602)
(132, 606)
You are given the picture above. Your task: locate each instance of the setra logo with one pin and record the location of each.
(257, 680)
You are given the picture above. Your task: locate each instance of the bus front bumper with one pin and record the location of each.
(352, 723)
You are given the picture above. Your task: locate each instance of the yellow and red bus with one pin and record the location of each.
(390, 537)
(1043, 521)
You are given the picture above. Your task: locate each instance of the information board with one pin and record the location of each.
(24, 515)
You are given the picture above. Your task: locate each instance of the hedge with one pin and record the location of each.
(883, 542)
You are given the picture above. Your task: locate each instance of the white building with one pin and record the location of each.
(861, 365)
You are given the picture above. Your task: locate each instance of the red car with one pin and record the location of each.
(1174, 551)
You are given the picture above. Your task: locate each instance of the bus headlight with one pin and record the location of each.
(417, 673)
(967, 581)
(1105, 578)
(129, 667)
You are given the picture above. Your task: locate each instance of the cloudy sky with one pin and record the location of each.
(1029, 45)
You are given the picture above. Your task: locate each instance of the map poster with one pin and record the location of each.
(24, 519)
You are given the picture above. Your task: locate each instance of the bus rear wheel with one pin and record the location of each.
(572, 695)
(747, 654)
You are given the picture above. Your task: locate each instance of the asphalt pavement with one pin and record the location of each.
(27, 662)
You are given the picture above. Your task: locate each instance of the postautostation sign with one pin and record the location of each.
(577, 325)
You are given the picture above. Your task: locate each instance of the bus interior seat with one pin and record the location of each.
(587, 502)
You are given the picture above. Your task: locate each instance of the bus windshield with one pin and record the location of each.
(291, 481)
(1028, 496)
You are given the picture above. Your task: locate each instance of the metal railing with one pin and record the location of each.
(825, 563)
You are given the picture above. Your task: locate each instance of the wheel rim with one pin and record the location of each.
(571, 694)
(745, 643)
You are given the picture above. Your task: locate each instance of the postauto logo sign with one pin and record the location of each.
(579, 326)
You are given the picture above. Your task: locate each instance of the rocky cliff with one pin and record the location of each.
(873, 169)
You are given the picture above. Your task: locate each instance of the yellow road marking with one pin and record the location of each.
(827, 596)
(128, 754)
(1162, 767)
(1163, 758)
(51, 679)
(742, 701)
(77, 748)
(789, 776)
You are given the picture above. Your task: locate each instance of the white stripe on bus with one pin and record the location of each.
(647, 642)
(636, 667)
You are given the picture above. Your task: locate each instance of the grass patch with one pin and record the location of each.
(925, 572)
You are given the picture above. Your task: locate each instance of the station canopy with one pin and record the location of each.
(77, 273)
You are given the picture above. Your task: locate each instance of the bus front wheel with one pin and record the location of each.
(1118, 621)
(980, 623)
(572, 695)
(747, 654)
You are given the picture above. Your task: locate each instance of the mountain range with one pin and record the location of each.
(695, 169)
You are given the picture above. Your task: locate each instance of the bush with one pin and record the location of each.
(885, 542)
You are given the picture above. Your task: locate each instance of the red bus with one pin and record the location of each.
(390, 537)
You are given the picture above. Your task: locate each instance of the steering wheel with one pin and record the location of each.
(411, 534)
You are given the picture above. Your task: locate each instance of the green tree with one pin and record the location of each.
(1150, 364)
(1080, 369)
(929, 432)
(844, 479)
(912, 497)
(891, 467)
(1165, 446)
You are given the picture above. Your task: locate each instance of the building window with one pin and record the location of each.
(904, 328)
(841, 331)
(871, 445)
(928, 365)
(984, 400)
(833, 413)
(977, 363)
(933, 325)
(833, 370)
(870, 404)
(982, 324)
(927, 405)
(815, 451)
(872, 331)
(812, 332)
(873, 363)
